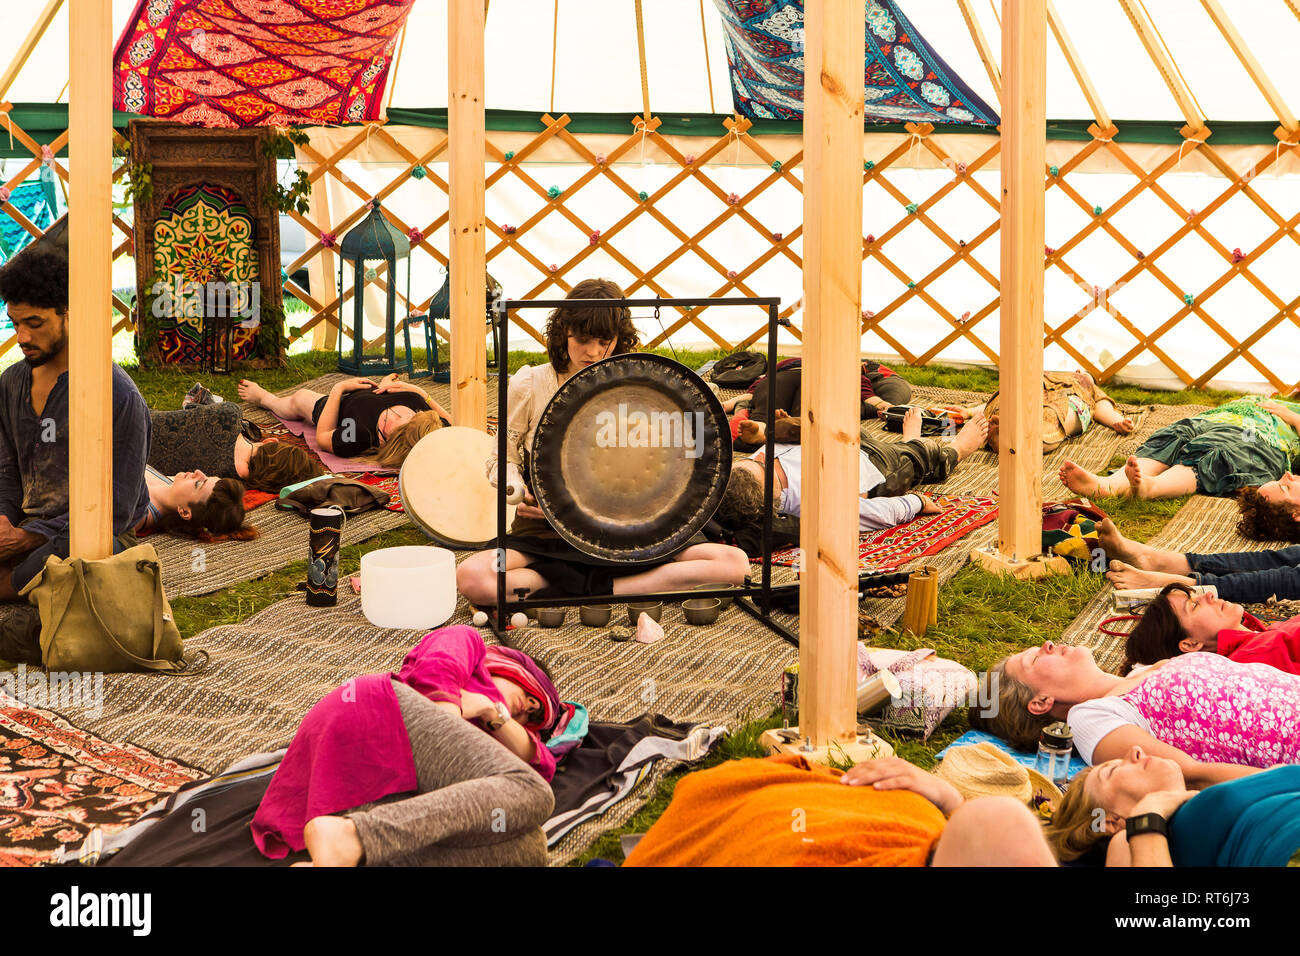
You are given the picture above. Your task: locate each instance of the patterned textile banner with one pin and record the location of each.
(905, 79)
(888, 550)
(235, 63)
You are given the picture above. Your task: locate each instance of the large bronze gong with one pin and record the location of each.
(631, 458)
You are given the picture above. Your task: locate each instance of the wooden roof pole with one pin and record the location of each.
(1235, 40)
(1076, 67)
(832, 282)
(467, 268)
(982, 45)
(1146, 32)
(90, 254)
(25, 51)
(1024, 157)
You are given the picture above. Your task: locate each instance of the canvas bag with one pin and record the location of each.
(108, 615)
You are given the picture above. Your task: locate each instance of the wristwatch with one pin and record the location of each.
(502, 718)
(1146, 823)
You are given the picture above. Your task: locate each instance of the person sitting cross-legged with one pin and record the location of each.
(34, 439)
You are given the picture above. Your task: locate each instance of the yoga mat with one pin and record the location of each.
(333, 463)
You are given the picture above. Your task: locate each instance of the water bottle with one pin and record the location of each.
(1054, 749)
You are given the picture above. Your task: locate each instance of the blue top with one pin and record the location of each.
(34, 454)
(1250, 821)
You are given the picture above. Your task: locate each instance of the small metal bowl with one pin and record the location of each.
(726, 601)
(700, 611)
(595, 615)
(552, 616)
(654, 609)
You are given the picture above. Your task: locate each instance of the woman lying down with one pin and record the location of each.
(438, 764)
(783, 811)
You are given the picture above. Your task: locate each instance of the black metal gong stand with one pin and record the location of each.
(743, 595)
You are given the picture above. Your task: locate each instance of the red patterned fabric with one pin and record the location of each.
(889, 550)
(234, 63)
(57, 783)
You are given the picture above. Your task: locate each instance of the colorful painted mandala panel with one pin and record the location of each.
(237, 63)
(905, 79)
(204, 235)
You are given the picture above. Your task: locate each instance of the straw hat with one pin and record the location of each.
(982, 770)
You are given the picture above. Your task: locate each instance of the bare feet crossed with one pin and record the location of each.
(1125, 577)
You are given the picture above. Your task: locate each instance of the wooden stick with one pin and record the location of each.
(90, 336)
(1024, 148)
(466, 121)
(833, 108)
(1235, 40)
(982, 45)
(29, 44)
(1146, 32)
(1076, 66)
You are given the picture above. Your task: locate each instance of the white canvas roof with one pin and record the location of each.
(597, 66)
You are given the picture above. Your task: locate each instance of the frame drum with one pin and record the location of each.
(445, 490)
(631, 458)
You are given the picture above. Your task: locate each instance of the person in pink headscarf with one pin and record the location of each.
(441, 763)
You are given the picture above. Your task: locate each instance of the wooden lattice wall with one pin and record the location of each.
(886, 172)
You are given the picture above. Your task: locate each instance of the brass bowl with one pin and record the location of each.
(595, 615)
(726, 601)
(634, 611)
(700, 611)
(552, 616)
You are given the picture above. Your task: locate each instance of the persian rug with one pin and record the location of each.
(905, 79)
(58, 783)
(890, 549)
(236, 63)
(204, 234)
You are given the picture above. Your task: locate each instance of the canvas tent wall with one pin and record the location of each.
(1117, 284)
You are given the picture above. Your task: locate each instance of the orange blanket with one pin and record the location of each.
(782, 811)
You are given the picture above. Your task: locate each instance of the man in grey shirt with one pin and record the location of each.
(34, 426)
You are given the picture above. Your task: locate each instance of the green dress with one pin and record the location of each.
(1234, 446)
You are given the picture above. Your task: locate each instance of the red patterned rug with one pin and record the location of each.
(57, 783)
(234, 63)
(889, 550)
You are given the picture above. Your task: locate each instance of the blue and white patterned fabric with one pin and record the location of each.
(905, 81)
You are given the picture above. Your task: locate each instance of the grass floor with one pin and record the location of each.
(981, 617)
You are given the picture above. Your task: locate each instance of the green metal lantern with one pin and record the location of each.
(374, 240)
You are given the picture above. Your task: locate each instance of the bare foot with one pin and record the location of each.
(1137, 481)
(1114, 543)
(252, 392)
(972, 436)
(911, 424)
(1125, 577)
(332, 841)
(1080, 480)
(752, 432)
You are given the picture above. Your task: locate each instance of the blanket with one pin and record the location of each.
(891, 548)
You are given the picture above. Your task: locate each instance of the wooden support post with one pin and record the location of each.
(467, 214)
(1024, 150)
(832, 282)
(90, 253)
